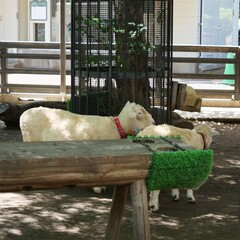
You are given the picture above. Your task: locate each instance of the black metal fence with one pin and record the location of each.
(122, 51)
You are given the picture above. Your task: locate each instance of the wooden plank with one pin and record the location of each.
(140, 210)
(174, 94)
(40, 165)
(204, 48)
(181, 95)
(205, 76)
(87, 163)
(202, 60)
(116, 212)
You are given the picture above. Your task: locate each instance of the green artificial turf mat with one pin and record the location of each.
(179, 169)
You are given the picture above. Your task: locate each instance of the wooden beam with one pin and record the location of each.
(116, 213)
(140, 210)
(36, 165)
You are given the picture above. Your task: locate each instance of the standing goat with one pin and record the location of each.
(198, 138)
(46, 124)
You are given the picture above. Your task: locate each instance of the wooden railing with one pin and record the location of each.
(199, 75)
(27, 58)
(185, 55)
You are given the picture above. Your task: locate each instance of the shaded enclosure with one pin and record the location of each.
(121, 51)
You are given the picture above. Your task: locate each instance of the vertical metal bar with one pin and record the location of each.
(110, 36)
(148, 43)
(80, 53)
(98, 55)
(63, 50)
(73, 49)
(162, 36)
(170, 43)
(171, 52)
(88, 52)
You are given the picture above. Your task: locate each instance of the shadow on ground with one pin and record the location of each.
(78, 213)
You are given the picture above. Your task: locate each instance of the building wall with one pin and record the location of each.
(186, 21)
(23, 23)
(186, 30)
(9, 20)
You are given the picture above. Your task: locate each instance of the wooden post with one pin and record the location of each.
(3, 67)
(116, 212)
(237, 75)
(140, 210)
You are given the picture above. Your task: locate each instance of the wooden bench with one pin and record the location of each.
(120, 163)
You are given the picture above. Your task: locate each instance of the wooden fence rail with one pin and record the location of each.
(199, 75)
(13, 55)
(10, 51)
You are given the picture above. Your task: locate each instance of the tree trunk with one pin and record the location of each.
(131, 52)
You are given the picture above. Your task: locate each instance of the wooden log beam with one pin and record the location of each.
(140, 210)
(116, 213)
(86, 163)
(120, 163)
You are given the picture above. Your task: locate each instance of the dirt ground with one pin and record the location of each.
(74, 213)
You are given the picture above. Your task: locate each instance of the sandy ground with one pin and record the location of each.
(77, 213)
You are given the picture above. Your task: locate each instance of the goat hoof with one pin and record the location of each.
(191, 201)
(99, 190)
(153, 208)
(175, 199)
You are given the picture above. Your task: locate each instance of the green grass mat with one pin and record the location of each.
(179, 169)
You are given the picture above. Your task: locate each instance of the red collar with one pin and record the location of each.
(120, 130)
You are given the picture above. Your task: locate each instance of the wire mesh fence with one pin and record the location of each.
(121, 51)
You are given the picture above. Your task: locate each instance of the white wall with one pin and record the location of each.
(23, 23)
(186, 21)
(186, 30)
(9, 20)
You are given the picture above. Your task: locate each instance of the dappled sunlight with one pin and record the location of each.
(62, 228)
(78, 213)
(215, 198)
(15, 231)
(203, 224)
(166, 221)
(225, 178)
(11, 200)
(54, 216)
(217, 218)
(234, 163)
(53, 212)
(88, 206)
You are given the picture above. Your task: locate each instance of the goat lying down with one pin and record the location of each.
(47, 124)
(199, 138)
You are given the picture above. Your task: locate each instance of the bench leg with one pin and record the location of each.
(140, 210)
(116, 212)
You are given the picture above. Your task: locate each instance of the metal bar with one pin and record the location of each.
(63, 50)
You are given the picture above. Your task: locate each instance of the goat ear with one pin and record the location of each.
(214, 132)
(208, 141)
(138, 115)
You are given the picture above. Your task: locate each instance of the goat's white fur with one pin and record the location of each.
(199, 138)
(47, 124)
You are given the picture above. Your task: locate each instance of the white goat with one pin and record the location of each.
(47, 124)
(199, 138)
